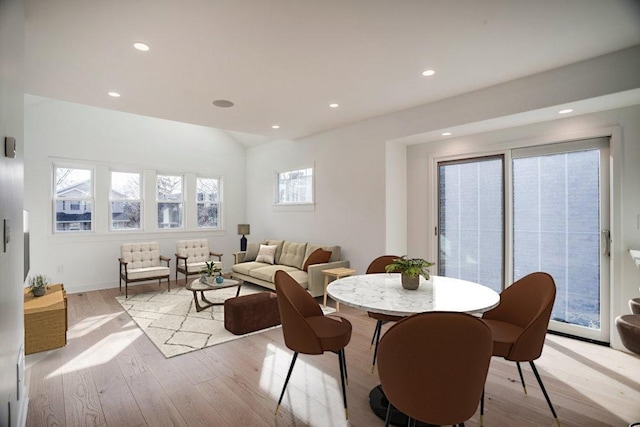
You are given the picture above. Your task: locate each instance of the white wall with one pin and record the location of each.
(12, 21)
(356, 171)
(72, 133)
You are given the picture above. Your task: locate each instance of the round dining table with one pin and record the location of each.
(383, 293)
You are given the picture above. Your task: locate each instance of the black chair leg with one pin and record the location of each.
(375, 332)
(286, 381)
(343, 374)
(521, 377)
(482, 409)
(344, 363)
(544, 391)
(376, 335)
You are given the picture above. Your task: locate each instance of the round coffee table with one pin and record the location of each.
(196, 286)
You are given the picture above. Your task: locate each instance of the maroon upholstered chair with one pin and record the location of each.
(307, 330)
(378, 266)
(519, 324)
(433, 366)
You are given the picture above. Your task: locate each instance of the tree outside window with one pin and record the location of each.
(169, 200)
(295, 187)
(208, 202)
(126, 201)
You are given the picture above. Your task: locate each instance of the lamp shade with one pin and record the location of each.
(244, 229)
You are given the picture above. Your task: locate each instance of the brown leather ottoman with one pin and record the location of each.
(248, 313)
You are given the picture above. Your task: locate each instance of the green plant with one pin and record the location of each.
(410, 266)
(38, 284)
(210, 269)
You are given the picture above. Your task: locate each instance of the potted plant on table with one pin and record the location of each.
(410, 269)
(211, 273)
(38, 285)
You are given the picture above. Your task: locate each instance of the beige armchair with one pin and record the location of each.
(191, 256)
(142, 262)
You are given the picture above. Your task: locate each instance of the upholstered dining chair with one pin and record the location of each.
(307, 330)
(519, 325)
(378, 266)
(433, 366)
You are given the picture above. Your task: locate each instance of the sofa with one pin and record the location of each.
(291, 257)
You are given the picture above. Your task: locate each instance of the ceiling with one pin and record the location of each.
(282, 62)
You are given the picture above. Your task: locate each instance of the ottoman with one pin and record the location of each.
(248, 313)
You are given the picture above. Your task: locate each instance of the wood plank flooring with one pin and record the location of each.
(111, 374)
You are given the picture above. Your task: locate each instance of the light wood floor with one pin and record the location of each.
(110, 374)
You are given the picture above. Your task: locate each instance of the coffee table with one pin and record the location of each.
(196, 286)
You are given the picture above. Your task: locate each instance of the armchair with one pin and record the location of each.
(192, 255)
(142, 262)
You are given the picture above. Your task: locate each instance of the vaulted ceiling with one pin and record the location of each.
(282, 62)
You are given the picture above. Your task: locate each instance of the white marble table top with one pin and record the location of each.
(383, 293)
(635, 255)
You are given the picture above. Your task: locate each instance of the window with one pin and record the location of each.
(295, 187)
(73, 199)
(169, 196)
(208, 202)
(126, 201)
(470, 220)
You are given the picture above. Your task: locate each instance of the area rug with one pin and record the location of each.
(170, 319)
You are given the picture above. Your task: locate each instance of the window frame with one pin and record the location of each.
(276, 196)
(69, 201)
(181, 202)
(140, 200)
(218, 203)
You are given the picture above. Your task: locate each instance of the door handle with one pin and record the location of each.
(606, 239)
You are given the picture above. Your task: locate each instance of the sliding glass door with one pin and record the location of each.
(557, 220)
(560, 226)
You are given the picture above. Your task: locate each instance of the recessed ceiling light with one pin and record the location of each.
(223, 103)
(565, 111)
(276, 126)
(428, 73)
(114, 94)
(141, 46)
(334, 105)
(446, 133)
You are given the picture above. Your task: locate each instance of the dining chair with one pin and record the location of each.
(378, 266)
(307, 330)
(519, 325)
(433, 366)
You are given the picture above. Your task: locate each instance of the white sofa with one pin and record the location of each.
(290, 257)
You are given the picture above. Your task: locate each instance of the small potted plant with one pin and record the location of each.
(410, 269)
(210, 273)
(38, 285)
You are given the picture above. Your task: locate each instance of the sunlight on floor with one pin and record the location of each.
(89, 325)
(589, 369)
(310, 390)
(99, 353)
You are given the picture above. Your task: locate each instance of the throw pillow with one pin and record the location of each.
(267, 254)
(252, 252)
(319, 256)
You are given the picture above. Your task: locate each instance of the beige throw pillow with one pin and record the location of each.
(267, 254)
(252, 252)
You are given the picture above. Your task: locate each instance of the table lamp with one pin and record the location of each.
(243, 229)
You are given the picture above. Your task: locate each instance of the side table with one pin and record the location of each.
(45, 320)
(335, 273)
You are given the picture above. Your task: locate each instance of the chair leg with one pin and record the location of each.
(544, 391)
(521, 377)
(377, 334)
(388, 417)
(344, 363)
(343, 374)
(482, 409)
(286, 381)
